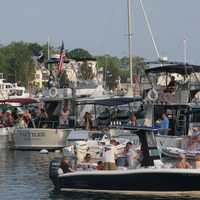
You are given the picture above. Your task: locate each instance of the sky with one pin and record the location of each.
(100, 26)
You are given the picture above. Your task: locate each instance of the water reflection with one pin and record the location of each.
(24, 175)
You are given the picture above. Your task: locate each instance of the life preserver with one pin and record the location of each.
(53, 92)
(152, 95)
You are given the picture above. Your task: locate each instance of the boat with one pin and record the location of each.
(48, 134)
(173, 152)
(152, 176)
(11, 90)
(44, 133)
(181, 105)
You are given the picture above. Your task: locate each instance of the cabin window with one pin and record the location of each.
(196, 116)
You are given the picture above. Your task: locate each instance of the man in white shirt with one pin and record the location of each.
(109, 155)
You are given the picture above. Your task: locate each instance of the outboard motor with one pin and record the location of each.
(53, 172)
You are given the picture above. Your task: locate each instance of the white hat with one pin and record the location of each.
(8, 111)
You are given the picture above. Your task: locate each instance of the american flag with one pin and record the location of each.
(62, 58)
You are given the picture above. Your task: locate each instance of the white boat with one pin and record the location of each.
(11, 90)
(173, 152)
(45, 133)
(5, 137)
(40, 138)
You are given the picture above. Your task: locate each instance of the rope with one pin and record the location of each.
(149, 28)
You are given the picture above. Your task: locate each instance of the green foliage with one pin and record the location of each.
(79, 54)
(114, 67)
(86, 71)
(111, 67)
(17, 63)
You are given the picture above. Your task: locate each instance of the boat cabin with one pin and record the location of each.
(107, 110)
(182, 118)
(174, 82)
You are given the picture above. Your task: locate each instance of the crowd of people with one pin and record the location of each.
(15, 118)
(111, 158)
(29, 118)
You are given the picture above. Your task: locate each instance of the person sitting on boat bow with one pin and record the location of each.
(197, 161)
(100, 165)
(183, 164)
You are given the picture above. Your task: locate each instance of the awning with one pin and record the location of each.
(19, 100)
(109, 101)
(180, 68)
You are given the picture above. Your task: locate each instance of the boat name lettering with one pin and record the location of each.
(32, 134)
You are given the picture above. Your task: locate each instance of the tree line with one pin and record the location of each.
(18, 61)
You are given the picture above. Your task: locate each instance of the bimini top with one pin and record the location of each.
(174, 67)
(22, 101)
(109, 101)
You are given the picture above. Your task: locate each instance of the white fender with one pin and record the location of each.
(53, 92)
(152, 95)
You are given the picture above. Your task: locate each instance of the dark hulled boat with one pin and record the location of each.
(150, 177)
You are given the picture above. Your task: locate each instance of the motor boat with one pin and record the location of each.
(173, 152)
(153, 175)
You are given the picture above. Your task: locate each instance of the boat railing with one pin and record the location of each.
(177, 95)
(47, 124)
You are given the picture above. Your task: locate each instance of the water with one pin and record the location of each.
(24, 176)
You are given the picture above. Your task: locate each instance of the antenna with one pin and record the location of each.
(48, 47)
(185, 49)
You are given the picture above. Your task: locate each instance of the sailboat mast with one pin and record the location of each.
(130, 46)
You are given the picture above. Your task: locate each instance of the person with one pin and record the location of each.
(63, 118)
(20, 123)
(87, 121)
(27, 117)
(87, 158)
(171, 86)
(109, 155)
(197, 161)
(195, 131)
(9, 120)
(132, 156)
(183, 163)
(164, 124)
(43, 114)
(132, 120)
(65, 165)
(100, 165)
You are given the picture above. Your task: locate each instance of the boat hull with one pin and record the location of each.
(39, 138)
(5, 134)
(133, 180)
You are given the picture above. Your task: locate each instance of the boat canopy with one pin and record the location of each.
(22, 101)
(109, 101)
(180, 68)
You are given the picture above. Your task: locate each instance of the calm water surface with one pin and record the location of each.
(24, 176)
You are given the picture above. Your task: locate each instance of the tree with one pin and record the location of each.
(111, 66)
(79, 54)
(86, 71)
(17, 62)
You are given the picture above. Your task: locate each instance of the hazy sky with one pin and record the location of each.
(100, 26)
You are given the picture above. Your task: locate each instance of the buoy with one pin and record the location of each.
(44, 151)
